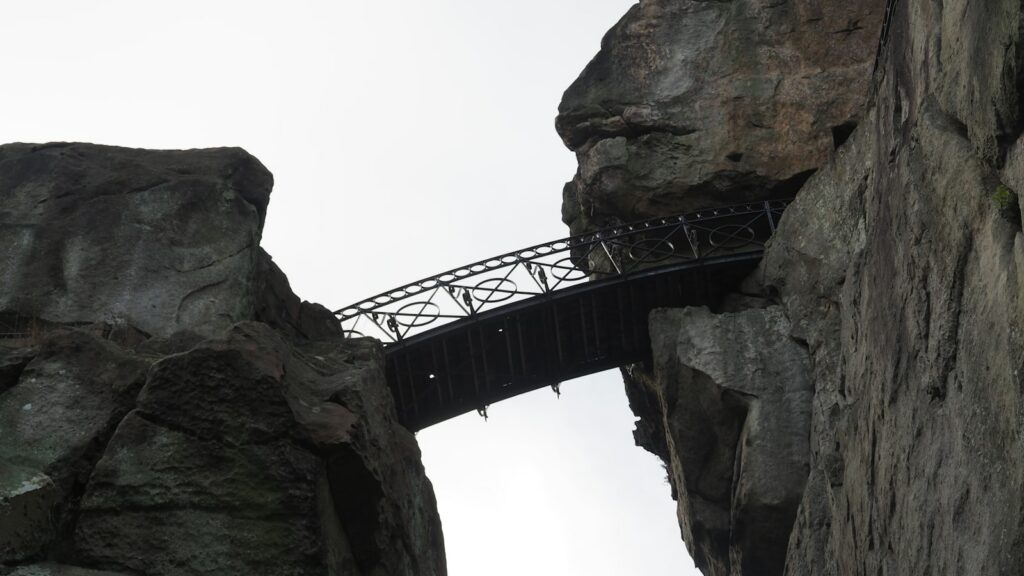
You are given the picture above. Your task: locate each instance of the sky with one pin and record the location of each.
(406, 137)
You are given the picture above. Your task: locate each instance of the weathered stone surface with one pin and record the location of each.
(67, 400)
(167, 502)
(12, 362)
(207, 463)
(905, 279)
(158, 240)
(256, 456)
(278, 306)
(227, 389)
(199, 418)
(735, 394)
(28, 506)
(692, 103)
(54, 422)
(51, 569)
(380, 493)
(148, 465)
(900, 266)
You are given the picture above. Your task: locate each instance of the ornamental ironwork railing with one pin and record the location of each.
(461, 293)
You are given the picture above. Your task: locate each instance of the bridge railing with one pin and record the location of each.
(464, 292)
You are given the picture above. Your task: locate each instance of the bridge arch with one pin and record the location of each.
(471, 336)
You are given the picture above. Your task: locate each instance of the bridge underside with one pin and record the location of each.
(595, 326)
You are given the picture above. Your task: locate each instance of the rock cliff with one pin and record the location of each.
(167, 404)
(691, 103)
(856, 406)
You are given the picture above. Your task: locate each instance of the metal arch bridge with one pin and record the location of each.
(472, 336)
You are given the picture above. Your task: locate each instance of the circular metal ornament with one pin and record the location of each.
(651, 250)
(731, 236)
(567, 271)
(494, 290)
(427, 313)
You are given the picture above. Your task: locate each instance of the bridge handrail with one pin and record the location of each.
(598, 254)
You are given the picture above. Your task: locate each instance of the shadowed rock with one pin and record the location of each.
(168, 406)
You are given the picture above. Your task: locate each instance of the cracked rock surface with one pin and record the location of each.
(898, 269)
(734, 393)
(162, 241)
(245, 437)
(692, 104)
(902, 268)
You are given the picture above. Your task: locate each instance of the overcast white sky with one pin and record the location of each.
(406, 137)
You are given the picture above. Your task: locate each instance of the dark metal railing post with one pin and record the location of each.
(691, 237)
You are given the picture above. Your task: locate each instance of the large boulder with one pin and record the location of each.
(692, 104)
(167, 404)
(159, 240)
(252, 455)
(54, 421)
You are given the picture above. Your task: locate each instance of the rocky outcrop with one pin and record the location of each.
(249, 439)
(902, 267)
(734, 394)
(692, 103)
(898, 273)
(53, 423)
(186, 225)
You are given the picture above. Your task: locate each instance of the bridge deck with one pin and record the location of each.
(497, 355)
(470, 337)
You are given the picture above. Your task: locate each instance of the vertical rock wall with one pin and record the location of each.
(692, 104)
(895, 279)
(167, 405)
(734, 395)
(901, 267)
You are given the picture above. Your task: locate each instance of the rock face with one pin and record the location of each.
(692, 103)
(735, 395)
(186, 223)
(254, 440)
(902, 267)
(898, 274)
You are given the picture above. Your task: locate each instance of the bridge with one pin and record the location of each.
(466, 338)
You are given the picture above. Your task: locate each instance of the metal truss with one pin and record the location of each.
(428, 304)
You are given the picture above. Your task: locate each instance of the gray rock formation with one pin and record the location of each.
(899, 269)
(902, 267)
(243, 437)
(735, 394)
(186, 226)
(692, 103)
